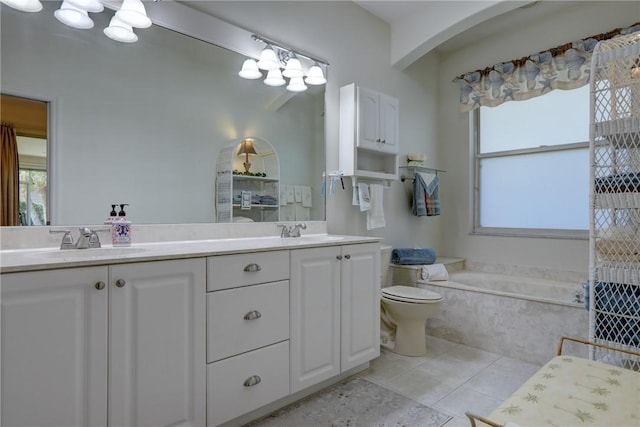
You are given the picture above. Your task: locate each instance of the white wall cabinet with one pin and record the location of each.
(137, 327)
(369, 133)
(335, 311)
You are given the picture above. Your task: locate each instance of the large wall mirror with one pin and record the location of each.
(144, 123)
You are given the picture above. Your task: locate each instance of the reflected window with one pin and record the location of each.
(32, 158)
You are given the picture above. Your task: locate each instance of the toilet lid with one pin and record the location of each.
(410, 294)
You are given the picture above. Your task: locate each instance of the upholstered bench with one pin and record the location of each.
(574, 391)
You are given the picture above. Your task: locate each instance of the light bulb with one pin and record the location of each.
(73, 16)
(119, 31)
(274, 78)
(93, 6)
(250, 70)
(133, 13)
(296, 85)
(268, 60)
(293, 68)
(24, 5)
(315, 76)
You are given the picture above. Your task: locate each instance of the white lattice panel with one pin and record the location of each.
(615, 196)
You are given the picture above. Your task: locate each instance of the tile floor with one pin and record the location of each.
(452, 378)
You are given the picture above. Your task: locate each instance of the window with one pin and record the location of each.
(532, 166)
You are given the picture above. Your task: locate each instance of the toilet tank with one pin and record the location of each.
(385, 261)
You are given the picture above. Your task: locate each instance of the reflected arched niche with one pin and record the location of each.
(247, 182)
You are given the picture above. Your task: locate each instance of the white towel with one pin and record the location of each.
(363, 196)
(434, 272)
(375, 215)
(307, 200)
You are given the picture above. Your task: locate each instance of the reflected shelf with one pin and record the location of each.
(413, 169)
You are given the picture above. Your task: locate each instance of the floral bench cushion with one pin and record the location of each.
(571, 391)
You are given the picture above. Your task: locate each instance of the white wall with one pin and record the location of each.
(579, 20)
(357, 45)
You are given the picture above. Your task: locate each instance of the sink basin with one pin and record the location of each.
(80, 254)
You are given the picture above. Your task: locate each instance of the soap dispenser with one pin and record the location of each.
(113, 215)
(121, 228)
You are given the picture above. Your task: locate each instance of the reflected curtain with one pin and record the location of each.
(562, 67)
(9, 178)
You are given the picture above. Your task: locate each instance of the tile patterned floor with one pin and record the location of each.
(452, 378)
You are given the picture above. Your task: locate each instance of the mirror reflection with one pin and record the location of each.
(146, 123)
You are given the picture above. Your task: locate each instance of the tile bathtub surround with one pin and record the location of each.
(528, 271)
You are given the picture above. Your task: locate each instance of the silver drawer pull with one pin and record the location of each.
(252, 315)
(252, 380)
(251, 268)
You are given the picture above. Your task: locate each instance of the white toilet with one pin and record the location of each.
(407, 308)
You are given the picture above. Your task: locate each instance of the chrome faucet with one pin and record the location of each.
(88, 238)
(291, 230)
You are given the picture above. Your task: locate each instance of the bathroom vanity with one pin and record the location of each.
(191, 333)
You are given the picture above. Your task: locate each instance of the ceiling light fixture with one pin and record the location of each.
(24, 5)
(281, 62)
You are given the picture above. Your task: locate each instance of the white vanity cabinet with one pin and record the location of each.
(122, 345)
(369, 133)
(335, 311)
(247, 333)
(54, 348)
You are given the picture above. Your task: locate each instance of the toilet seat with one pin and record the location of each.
(410, 294)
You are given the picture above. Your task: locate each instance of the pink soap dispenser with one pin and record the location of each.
(121, 228)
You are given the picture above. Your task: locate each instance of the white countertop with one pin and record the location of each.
(15, 260)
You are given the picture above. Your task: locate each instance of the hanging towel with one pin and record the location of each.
(363, 196)
(434, 272)
(432, 200)
(419, 206)
(413, 256)
(375, 214)
(307, 200)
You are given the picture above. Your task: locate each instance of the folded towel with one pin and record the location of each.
(411, 256)
(434, 272)
(375, 214)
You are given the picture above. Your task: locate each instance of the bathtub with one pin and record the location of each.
(519, 317)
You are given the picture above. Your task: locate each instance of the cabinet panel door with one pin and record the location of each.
(315, 316)
(389, 123)
(157, 344)
(367, 125)
(360, 317)
(54, 348)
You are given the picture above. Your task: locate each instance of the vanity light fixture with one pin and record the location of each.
(24, 5)
(132, 12)
(120, 32)
(268, 60)
(281, 62)
(73, 16)
(250, 70)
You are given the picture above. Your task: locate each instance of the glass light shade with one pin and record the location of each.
(293, 68)
(24, 5)
(93, 6)
(73, 16)
(250, 70)
(268, 60)
(296, 84)
(133, 13)
(120, 32)
(315, 76)
(274, 78)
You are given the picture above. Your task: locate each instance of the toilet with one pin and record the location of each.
(405, 308)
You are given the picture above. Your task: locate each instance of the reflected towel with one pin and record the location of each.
(375, 214)
(413, 256)
(434, 272)
(364, 198)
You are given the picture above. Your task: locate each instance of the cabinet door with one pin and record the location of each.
(54, 348)
(367, 126)
(157, 373)
(314, 316)
(360, 317)
(389, 123)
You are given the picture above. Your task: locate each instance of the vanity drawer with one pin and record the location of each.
(242, 319)
(227, 395)
(232, 271)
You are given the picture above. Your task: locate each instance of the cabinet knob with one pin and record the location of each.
(252, 380)
(347, 256)
(252, 315)
(251, 268)
(339, 257)
(120, 283)
(99, 285)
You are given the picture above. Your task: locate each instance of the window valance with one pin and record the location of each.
(562, 67)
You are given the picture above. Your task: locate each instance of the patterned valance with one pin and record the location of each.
(563, 67)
